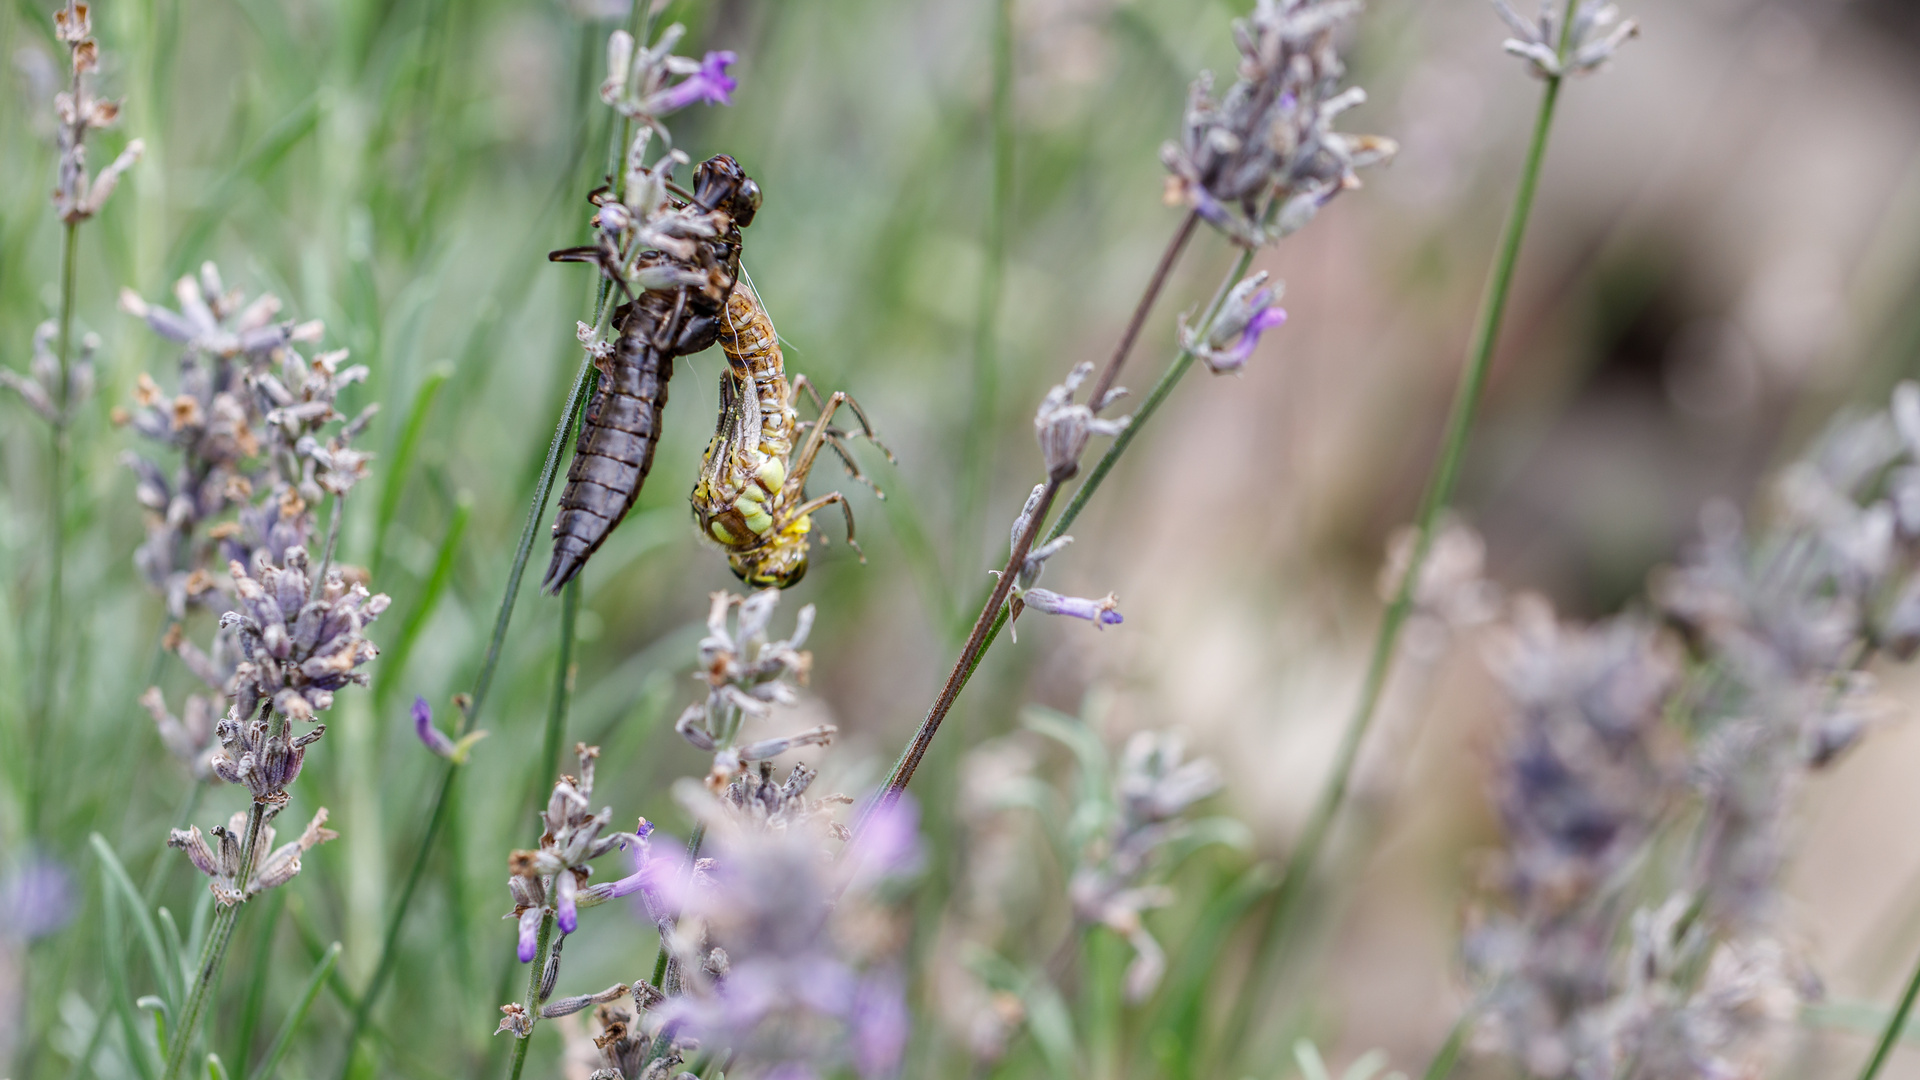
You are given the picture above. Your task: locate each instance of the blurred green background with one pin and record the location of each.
(1725, 250)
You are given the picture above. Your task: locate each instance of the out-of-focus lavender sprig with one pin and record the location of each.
(77, 196)
(1154, 786)
(1780, 618)
(1581, 780)
(746, 674)
(787, 950)
(40, 387)
(1271, 136)
(1596, 32)
(1788, 615)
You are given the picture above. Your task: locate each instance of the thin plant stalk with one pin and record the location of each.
(977, 638)
(389, 945)
(1182, 363)
(557, 706)
(1896, 1024)
(1448, 1055)
(56, 525)
(539, 965)
(1439, 492)
(536, 510)
(976, 461)
(642, 23)
(214, 956)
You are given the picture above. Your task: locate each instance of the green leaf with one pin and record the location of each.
(281, 1042)
(1051, 1024)
(397, 470)
(116, 958)
(216, 1069)
(120, 884)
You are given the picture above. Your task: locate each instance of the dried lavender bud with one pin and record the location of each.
(1064, 426)
(274, 869)
(1270, 140)
(746, 674)
(515, 1019)
(555, 874)
(298, 650)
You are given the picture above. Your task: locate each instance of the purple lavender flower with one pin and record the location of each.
(881, 1024)
(433, 737)
(782, 953)
(36, 899)
(1101, 612)
(1249, 311)
(709, 82)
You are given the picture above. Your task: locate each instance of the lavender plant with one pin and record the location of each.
(1777, 623)
(59, 379)
(774, 954)
(1257, 165)
(258, 431)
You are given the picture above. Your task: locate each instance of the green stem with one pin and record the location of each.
(214, 957)
(562, 687)
(1895, 1025)
(1439, 491)
(992, 615)
(536, 510)
(532, 1002)
(976, 463)
(1444, 1058)
(389, 946)
(43, 723)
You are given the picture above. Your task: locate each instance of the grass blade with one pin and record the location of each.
(295, 1018)
(119, 883)
(395, 484)
(436, 587)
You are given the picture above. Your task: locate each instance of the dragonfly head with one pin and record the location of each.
(721, 184)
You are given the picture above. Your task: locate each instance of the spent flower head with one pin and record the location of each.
(76, 195)
(1259, 162)
(39, 388)
(223, 865)
(747, 673)
(1587, 44)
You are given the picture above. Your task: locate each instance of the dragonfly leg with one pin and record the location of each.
(822, 503)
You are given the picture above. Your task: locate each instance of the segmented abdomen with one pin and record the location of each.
(617, 438)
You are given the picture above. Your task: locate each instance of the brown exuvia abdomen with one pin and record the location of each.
(617, 438)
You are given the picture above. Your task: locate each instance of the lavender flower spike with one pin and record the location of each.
(1250, 310)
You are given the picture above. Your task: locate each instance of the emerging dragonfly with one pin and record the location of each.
(749, 499)
(621, 426)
